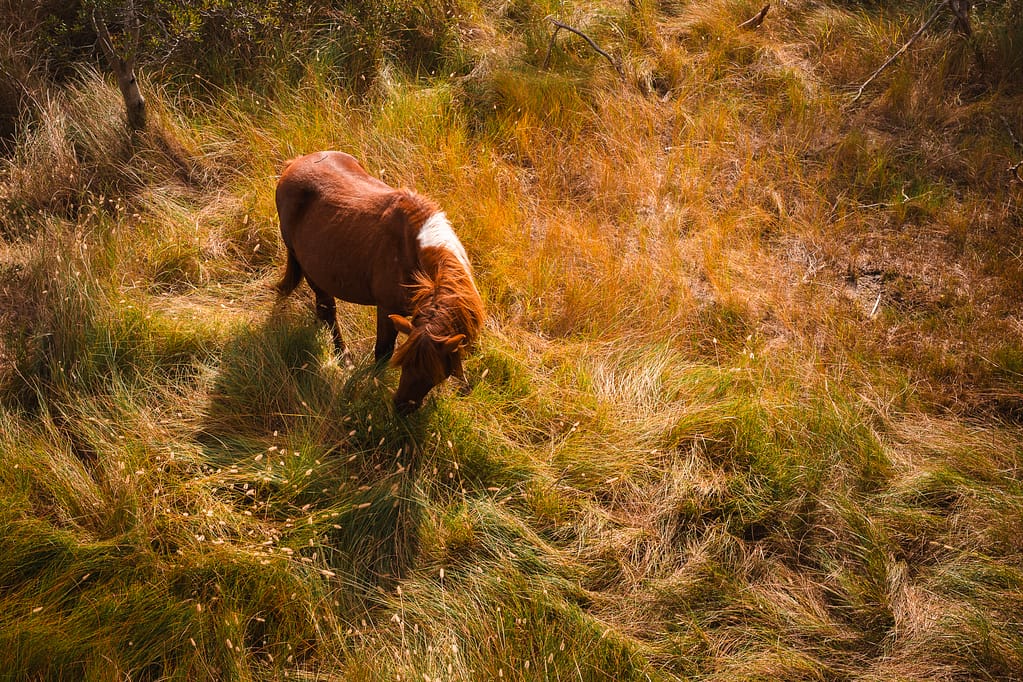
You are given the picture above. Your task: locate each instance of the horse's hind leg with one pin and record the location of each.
(326, 311)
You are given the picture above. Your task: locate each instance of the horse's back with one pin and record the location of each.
(333, 178)
(320, 166)
(342, 224)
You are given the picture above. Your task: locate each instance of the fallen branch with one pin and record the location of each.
(558, 26)
(1014, 169)
(902, 49)
(755, 21)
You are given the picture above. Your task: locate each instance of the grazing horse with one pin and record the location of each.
(355, 238)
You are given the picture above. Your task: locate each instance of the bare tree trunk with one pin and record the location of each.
(134, 103)
(124, 69)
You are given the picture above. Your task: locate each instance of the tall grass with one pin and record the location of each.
(746, 406)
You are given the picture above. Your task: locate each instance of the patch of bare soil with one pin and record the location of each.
(913, 275)
(945, 313)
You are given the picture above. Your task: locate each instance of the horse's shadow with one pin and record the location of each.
(331, 448)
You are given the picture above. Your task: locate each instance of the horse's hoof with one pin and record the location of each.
(406, 408)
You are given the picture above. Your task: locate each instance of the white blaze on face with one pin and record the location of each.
(437, 232)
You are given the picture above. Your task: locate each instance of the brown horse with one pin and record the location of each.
(355, 238)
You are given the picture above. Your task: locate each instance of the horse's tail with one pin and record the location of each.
(292, 270)
(292, 275)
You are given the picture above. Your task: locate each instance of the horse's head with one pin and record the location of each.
(425, 361)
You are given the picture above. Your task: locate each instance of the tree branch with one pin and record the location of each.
(106, 42)
(902, 49)
(961, 8)
(550, 45)
(755, 21)
(132, 19)
(559, 25)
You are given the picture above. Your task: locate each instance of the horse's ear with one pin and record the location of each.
(453, 343)
(401, 324)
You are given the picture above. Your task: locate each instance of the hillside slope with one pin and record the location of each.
(747, 406)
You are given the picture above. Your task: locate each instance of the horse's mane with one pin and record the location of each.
(415, 206)
(443, 305)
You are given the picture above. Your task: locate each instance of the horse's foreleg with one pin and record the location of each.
(386, 336)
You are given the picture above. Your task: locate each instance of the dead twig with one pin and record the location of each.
(755, 21)
(873, 311)
(898, 53)
(560, 25)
